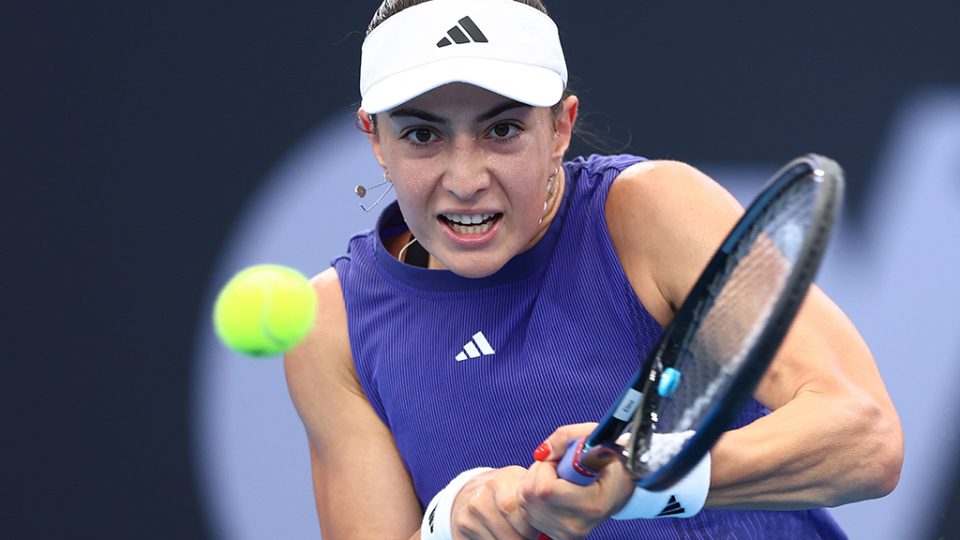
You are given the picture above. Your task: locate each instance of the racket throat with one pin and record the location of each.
(594, 459)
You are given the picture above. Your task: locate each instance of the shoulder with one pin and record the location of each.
(655, 198)
(662, 189)
(598, 169)
(323, 361)
(665, 219)
(329, 333)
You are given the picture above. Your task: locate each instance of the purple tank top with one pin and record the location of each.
(477, 372)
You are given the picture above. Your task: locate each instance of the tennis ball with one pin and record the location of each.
(265, 310)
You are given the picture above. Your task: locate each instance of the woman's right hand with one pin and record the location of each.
(487, 508)
(564, 510)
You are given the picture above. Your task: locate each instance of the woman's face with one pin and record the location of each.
(470, 170)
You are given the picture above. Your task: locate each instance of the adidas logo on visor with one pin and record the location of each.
(673, 507)
(476, 347)
(459, 37)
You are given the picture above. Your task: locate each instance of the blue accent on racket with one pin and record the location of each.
(669, 381)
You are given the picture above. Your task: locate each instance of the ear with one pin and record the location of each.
(566, 119)
(364, 122)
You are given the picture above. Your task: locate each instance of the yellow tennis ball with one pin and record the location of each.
(265, 310)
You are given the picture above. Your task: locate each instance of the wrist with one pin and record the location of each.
(436, 519)
(684, 499)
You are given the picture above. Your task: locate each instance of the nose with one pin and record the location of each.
(466, 175)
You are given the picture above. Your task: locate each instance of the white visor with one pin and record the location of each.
(501, 45)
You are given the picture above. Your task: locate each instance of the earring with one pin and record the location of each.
(546, 203)
(550, 178)
(361, 192)
(363, 123)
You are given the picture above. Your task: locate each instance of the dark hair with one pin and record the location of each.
(389, 8)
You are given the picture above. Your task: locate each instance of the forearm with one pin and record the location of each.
(364, 502)
(817, 450)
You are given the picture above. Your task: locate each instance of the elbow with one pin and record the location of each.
(888, 461)
(884, 474)
(891, 478)
(878, 443)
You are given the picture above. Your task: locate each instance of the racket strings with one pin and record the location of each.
(731, 318)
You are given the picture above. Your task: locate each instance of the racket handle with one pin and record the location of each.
(571, 469)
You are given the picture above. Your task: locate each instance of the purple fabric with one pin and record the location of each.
(566, 330)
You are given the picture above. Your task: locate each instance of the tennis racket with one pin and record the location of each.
(712, 355)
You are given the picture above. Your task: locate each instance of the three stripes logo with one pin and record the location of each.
(433, 514)
(476, 347)
(459, 37)
(673, 507)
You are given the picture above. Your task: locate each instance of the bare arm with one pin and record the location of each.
(362, 488)
(834, 436)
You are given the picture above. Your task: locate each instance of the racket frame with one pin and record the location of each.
(601, 447)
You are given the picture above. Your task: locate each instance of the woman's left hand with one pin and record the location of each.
(563, 510)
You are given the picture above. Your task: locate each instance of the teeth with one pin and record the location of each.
(469, 223)
(468, 219)
(471, 229)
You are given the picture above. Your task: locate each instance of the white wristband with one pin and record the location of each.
(684, 499)
(436, 519)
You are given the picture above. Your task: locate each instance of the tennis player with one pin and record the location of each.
(508, 292)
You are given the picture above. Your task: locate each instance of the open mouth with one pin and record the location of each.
(470, 223)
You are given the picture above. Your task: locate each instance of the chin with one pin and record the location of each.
(475, 269)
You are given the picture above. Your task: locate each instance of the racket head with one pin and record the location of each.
(732, 323)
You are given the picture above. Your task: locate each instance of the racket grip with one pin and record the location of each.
(571, 469)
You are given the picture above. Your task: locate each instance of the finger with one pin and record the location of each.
(538, 494)
(490, 518)
(555, 445)
(617, 482)
(470, 523)
(504, 529)
(491, 531)
(506, 499)
(489, 509)
(508, 505)
(561, 509)
(541, 486)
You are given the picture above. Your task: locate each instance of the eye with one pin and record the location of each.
(418, 136)
(504, 130)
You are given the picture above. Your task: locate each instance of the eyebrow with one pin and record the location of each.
(502, 108)
(410, 112)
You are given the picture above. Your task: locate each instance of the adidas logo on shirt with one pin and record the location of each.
(459, 37)
(476, 347)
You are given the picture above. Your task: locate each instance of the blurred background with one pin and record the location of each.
(151, 150)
